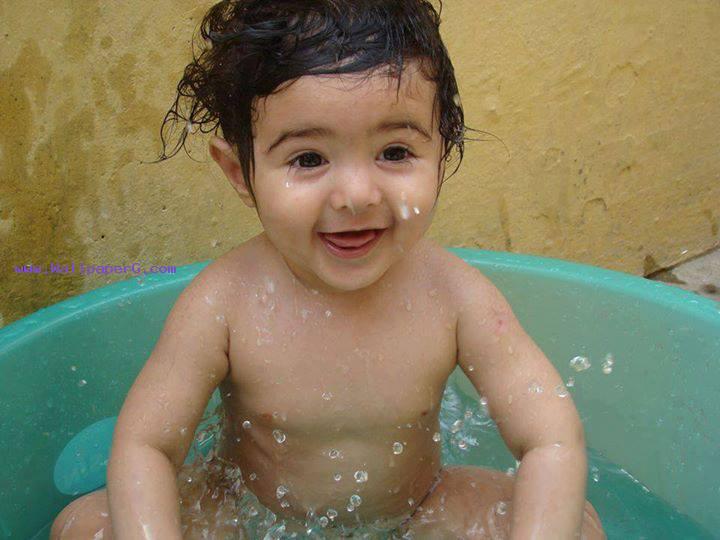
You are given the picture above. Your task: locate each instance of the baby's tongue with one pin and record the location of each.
(350, 239)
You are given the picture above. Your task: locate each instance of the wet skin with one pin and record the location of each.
(322, 350)
(357, 394)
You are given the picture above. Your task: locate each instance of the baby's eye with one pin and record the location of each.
(312, 160)
(308, 160)
(397, 151)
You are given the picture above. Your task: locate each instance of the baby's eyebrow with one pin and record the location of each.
(322, 131)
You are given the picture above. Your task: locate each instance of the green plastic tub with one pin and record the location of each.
(65, 371)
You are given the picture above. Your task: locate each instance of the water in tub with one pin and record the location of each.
(627, 508)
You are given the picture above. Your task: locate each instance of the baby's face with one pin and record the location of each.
(366, 165)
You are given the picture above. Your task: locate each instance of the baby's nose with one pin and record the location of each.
(355, 192)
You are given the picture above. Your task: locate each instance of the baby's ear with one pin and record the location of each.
(222, 153)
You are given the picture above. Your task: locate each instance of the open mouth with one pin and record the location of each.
(351, 244)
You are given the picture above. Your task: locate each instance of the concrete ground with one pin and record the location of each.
(700, 275)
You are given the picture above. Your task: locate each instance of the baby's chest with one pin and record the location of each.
(343, 377)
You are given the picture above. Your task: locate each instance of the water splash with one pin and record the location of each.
(361, 476)
(580, 363)
(608, 364)
(535, 388)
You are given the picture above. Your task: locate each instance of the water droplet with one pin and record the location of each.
(323, 521)
(437, 437)
(416, 210)
(253, 476)
(397, 448)
(535, 388)
(468, 414)
(327, 396)
(462, 444)
(279, 436)
(570, 382)
(73, 368)
(608, 364)
(269, 285)
(471, 368)
(328, 313)
(281, 491)
(287, 184)
(284, 504)
(350, 508)
(334, 454)
(331, 513)
(501, 508)
(510, 471)
(411, 501)
(580, 363)
(595, 474)
(361, 476)
(404, 210)
(457, 424)
(355, 500)
(246, 424)
(349, 203)
(305, 313)
(561, 391)
(82, 382)
(337, 477)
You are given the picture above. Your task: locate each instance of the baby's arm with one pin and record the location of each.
(541, 428)
(161, 412)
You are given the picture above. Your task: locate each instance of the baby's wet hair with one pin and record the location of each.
(254, 48)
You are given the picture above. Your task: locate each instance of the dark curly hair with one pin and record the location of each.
(252, 47)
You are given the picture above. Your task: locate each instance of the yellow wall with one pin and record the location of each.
(607, 115)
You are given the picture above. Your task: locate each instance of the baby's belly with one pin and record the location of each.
(390, 471)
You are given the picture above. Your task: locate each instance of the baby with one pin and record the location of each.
(332, 334)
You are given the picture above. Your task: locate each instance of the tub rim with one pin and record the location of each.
(629, 285)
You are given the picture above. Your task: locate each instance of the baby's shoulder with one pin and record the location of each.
(230, 273)
(446, 267)
(453, 275)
